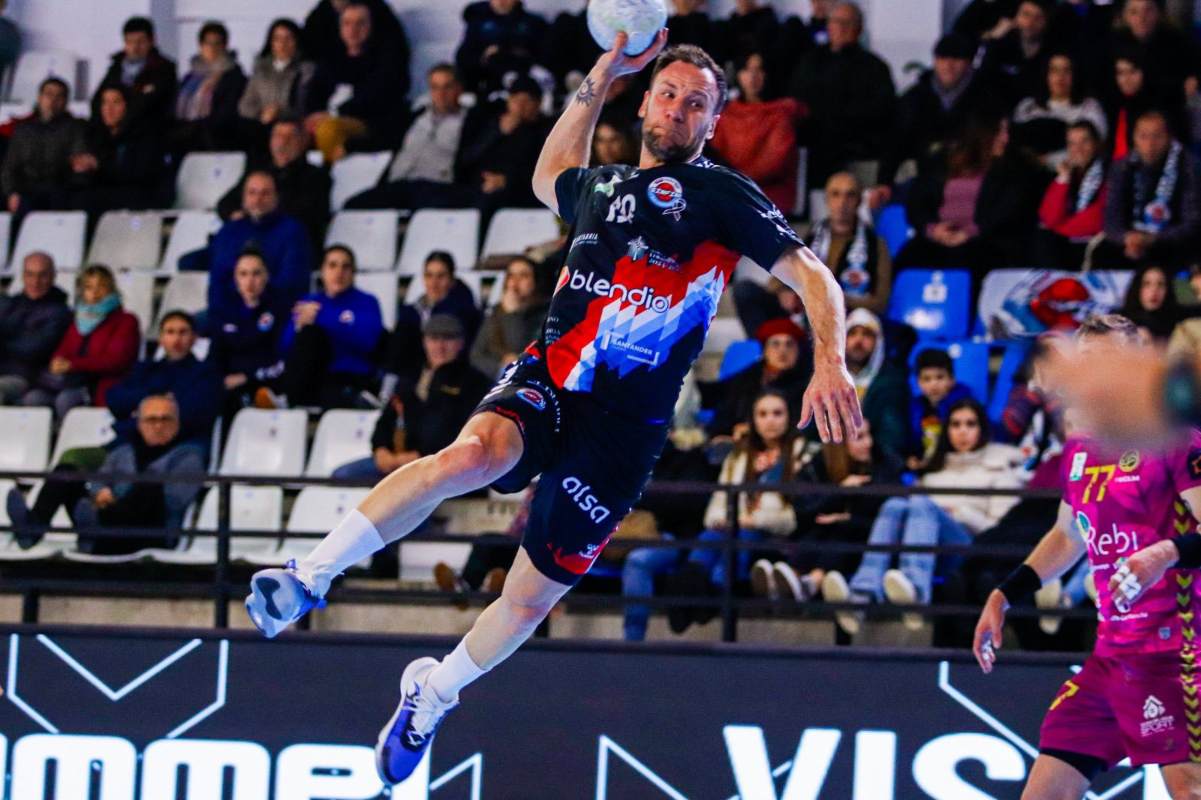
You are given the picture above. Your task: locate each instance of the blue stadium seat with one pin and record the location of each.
(934, 302)
(893, 225)
(1016, 351)
(738, 357)
(969, 358)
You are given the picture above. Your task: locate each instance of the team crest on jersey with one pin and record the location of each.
(1078, 466)
(637, 249)
(667, 194)
(266, 320)
(1129, 461)
(532, 397)
(606, 187)
(346, 317)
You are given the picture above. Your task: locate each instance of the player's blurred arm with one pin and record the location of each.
(570, 141)
(1054, 555)
(1145, 568)
(831, 398)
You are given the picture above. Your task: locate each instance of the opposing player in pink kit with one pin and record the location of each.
(1134, 513)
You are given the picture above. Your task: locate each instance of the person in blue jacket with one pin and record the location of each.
(281, 239)
(194, 384)
(330, 346)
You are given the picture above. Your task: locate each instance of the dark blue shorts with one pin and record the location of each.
(594, 466)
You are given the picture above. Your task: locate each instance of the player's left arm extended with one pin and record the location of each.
(830, 400)
(1146, 567)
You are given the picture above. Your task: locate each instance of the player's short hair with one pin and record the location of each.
(1106, 325)
(697, 57)
(933, 358)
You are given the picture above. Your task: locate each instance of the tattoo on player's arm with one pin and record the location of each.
(587, 93)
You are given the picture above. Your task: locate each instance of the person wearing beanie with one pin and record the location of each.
(786, 366)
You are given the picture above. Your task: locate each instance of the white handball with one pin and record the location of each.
(640, 19)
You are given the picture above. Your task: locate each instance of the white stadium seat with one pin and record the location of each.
(266, 443)
(127, 240)
(251, 508)
(25, 433)
(6, 221)
(512, 230)
(205, 177)
(317, 509)
(185, 291)
(356, 173)
(34, 66)
(382, 286)
(137, 297)
(343, 435)
(191, 231)
(370, 234)
(474, 281)
(723, 332)
(84, 426)
(57, 233)
(457, 231)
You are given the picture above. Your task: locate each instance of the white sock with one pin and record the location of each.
(453, 673)
(354, 539)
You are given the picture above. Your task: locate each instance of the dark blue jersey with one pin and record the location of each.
(652, 251)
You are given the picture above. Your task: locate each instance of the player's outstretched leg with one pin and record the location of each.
(429, 688)
(487, 448)
(1054, 779)
(1183, 781)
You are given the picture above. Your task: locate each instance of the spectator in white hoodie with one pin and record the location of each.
(964, 458)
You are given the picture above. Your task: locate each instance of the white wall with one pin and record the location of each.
(900, 30)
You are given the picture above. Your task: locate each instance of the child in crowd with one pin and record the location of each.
(937, 392)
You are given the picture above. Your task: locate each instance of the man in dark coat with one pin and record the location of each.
(31, 325)
(145, 72)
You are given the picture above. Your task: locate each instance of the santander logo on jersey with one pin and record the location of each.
(642, 297)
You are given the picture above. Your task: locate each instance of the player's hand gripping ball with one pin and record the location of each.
(640, 19)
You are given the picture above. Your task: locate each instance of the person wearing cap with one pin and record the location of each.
(935, 108)
(786, 366)
(330, 344)
(882, 387)
(425, 414)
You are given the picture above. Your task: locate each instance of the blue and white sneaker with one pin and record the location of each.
(279, 597)
(407, 736)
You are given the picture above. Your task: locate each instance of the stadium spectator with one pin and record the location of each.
(1151, 303)
(1168, 56)
(31, 325)
(511, 326)
(1186, 339)
(1014, 60)
(444, 294)
(145, 72)
(882, 387)
(1153, 210)
(964, 458)
(1130, 97)
(303, 189)
(934, 109)
(355, 92)
(1072, 211)
(245, 336)
(612, 145)
(622, 103)
(751, 27)
(498, 160)
(10, 40)
(154, 447)
(758, 136)
(850, 96)
(986, 19)
(857, 255)
(975, 208)
(193, 383)
(278, 82)
(937, 391)
(770, 453)
(500, 36)
(425, 414)
(424, 170)
(206, 105)
(122, 162)
(97, 349)
(785, 368)
(1040, 121)
(321, 38)
(571, 51)
(689, 23)
(845, 519)
(1032, 419)
(331, 342)
(281, 239)
(37, 171)
(756, 304)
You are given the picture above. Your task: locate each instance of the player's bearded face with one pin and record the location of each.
(673, 144)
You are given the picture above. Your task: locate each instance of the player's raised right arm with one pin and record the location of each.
(1054, 555)
(570, 141)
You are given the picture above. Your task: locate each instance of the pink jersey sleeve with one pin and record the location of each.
(1184, 464)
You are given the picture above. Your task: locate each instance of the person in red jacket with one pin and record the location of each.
(97, 350)
(757, 137)
(1073, 207)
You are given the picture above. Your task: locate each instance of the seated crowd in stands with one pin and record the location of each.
(1057, 135)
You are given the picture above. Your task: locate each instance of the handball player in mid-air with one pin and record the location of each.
(1132, 512)
(587, 405)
